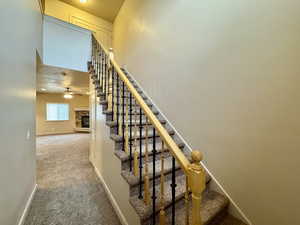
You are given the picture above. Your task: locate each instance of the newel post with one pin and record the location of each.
(197, 186)
(109, 97)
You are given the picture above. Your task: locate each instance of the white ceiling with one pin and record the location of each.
(106, 9)
(56, 80)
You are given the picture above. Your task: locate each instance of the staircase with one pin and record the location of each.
(167, 182)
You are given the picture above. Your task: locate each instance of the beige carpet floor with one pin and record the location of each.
(69, 192)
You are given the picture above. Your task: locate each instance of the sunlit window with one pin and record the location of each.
(57, 111)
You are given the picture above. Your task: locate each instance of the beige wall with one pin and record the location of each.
(70, 14)
(226, 74)
(21, 37)
(44, 127)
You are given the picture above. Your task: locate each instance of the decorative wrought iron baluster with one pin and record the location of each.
(105, 77)
(162, 214)
(173, 189)
(146, 177)
(120, 128)
(130, 132)
(115, 96)
(112, 93)
(100, 65)
(118, 102)
(123, 116)
(126, 126)
(141, 158)
(97, 62)
(109, 95)
(135, 152)
(187, 202)
(102, 69)
(153, 182)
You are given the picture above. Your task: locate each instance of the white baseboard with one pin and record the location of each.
(112, 199)
(27, 206)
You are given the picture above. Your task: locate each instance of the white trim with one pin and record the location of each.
(27, 206)
(67, 25)
(235, 206)
(112, 199)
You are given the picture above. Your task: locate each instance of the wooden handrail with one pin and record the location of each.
(195, 174)
(173, 147)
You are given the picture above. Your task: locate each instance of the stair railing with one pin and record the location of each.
(130, 112)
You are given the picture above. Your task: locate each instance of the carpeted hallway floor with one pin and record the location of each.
(69, 192)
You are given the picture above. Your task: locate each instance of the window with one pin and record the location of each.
(57, 111)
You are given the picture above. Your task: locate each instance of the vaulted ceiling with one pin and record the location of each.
(106, 9)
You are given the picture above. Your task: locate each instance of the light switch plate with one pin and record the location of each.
(28, 134)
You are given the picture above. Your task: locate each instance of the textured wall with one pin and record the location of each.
(21, 37)
(226, 74)
(44, 127)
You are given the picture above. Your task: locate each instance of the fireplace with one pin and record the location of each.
(85, 121)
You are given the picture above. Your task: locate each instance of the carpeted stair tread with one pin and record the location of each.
(230, 220)
(145, 211)
(213, 203)
(137, 122)
(123, 156)
(134, 180)
(109, 112)
(119, 138)
(101, 94)
(105, 102)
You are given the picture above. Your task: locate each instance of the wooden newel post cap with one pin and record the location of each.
(111, 49)
(197, 157)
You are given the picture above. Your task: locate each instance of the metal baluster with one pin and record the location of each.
(173, 188)
(126, 126)
(99, 65)
(115, 90)
(153, 183)
(109, 94)
(146, 177)
(123, 116)
(105, 77)
(102, 70)
(118, 103)
(187, 202)
(97, 62)
(130, 132)
(120, 128)
(141, 159)
(162, 214)
(135, 152)
(113, 93)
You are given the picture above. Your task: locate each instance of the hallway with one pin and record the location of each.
(69, 192)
